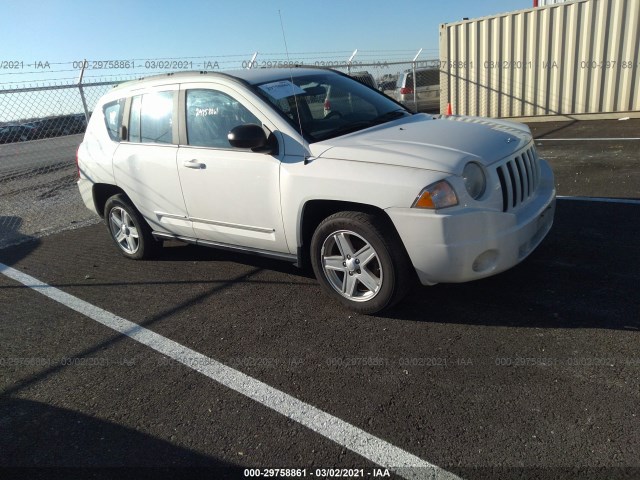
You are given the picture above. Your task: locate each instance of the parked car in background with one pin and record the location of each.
(73, 124)
(62, 125)
(364, 77)
(427, 90)
(372, 196)
(341, 102)
(387, 86)
(17, 133)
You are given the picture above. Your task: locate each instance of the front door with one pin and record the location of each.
(232, 195)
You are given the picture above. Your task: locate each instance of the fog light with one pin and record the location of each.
(485, 261)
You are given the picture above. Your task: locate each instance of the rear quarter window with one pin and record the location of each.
(113, 112)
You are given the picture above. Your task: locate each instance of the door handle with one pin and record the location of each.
(193, 164)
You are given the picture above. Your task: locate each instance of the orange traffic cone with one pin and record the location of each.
(449, 112)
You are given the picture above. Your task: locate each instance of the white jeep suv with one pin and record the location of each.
(370, 194)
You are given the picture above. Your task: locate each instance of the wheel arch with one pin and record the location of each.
(315, 211)
(102, 192)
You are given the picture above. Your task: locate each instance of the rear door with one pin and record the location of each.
(144, 166)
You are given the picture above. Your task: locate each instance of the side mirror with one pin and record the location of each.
(250, 136)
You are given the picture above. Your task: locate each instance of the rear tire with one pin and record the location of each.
(360, 261)
(128, 230)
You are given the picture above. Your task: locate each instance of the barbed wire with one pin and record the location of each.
(221, 62)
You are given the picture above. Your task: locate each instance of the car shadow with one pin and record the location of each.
(585, 274)
(10, 236)
(177, 251)
(44, 441)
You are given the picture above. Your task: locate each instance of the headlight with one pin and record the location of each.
(474, 180)
(436, 195)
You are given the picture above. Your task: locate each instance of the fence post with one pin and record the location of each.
(415, 80)
(82, 97)
(252, 61)
(350, 60)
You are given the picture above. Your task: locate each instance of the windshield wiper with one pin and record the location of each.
(386, 117)
(361, 125)
(350, 127)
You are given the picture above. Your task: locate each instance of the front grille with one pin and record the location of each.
(519, 178)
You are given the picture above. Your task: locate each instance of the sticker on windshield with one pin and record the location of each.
(281, 89)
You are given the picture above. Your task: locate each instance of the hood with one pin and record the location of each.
(442, 144)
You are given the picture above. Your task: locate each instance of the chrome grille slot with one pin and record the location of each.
(519, 176)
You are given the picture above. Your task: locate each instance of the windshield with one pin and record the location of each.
(326, 105)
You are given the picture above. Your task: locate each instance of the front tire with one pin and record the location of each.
(360, 261)
(128, 230)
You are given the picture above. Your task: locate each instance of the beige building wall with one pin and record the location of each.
(578, 57)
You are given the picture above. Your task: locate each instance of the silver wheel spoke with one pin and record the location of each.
(131, 244)
(120, 237)
(343, 244)
(369, 281)
(334, 263)
(115, 220)
(133, 232)
(349, 285)
(365, 255)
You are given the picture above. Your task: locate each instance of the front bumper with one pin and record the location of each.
(472, 244)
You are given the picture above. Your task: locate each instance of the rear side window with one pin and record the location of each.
(113, 112)
(428, 78)
(151, 118)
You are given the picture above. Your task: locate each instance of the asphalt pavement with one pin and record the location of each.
(533, 373)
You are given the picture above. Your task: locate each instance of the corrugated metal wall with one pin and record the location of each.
(541, 3)
(571, 58)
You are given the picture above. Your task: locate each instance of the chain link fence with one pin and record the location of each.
(41, 128)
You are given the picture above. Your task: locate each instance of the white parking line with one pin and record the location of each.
(629, 201)
(368, 446)
(608, 139)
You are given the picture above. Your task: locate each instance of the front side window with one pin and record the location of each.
(211, 115)
(113, 112)
(151, 118)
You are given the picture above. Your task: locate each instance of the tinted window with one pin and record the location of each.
(134, 119)
(426, 78)
(364, 77)
(113, 118)
(211, 115)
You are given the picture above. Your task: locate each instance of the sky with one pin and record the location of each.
(41, 40)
